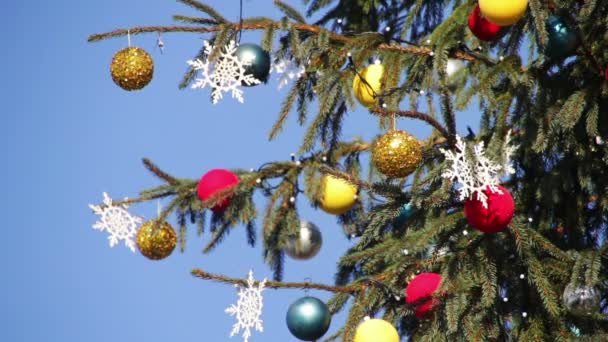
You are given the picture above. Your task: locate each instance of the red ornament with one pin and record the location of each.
(423, 285)
(481, 27)
(496, 217)
(213, 182)
(606, 74)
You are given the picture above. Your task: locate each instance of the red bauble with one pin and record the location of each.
(423, 285)
(496, 217)
(481, 27)
(606, 74)
(213, 182)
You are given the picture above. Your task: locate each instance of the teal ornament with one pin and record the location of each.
(562, 40)
(308, 319)
(259, 61)
(404, 214)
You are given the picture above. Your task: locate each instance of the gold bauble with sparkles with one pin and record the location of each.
(132, 68)
(366, 92)
(156, 240)
(396, 153)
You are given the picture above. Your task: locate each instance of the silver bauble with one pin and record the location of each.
(306, 244)
(453, 74)
(581, 300)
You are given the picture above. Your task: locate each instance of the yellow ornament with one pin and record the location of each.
(156, 240)
(132, 68)
(396, 153)
(503, 12)
(363, 92)
(376, 330)
(338, 195)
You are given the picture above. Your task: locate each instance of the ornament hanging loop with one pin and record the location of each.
(129, 37)
(307, 281)
(240, 34)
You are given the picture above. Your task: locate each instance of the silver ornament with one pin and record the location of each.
(452, 73)
(582, 300)
(306, 244)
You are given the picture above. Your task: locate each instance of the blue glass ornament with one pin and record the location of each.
(404, 214)
(259, 61)
(308, 319)
(562, 40)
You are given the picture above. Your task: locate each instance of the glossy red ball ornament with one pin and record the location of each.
(481, 27)
(606, 74)
(423, 285)
(214, 181)
(496, 217)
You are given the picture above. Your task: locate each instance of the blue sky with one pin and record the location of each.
(68, 134)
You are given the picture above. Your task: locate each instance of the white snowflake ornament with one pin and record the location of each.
(480, 172)
(117, 221)
(226, 74)
(248, 309)
(289, 70)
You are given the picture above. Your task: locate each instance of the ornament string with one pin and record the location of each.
(307, 281)
(240, 21)
(129, 37)
(160, 43)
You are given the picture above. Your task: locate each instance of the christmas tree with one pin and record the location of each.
(497, 235)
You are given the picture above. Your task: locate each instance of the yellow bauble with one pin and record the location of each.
(132, 68)
(503, 12)
(338, 195)
(363, 92)
(396, 153)
(156, 240)
(376, 330)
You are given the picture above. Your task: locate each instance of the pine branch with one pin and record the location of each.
(159, 173)
(416, 115)
(206, 9)
(274, 284)
(333, 36)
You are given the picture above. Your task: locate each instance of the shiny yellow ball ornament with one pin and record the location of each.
(376, 330)
(503, 12)
(396, 153)
(132, 68)
(156, 240)
(338, 195)
(364, 92)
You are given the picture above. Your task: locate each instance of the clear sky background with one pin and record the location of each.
(67, 134)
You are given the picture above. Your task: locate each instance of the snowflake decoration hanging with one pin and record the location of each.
(480, 172)
(248, 309)
(226, 74)
(117, 221)
(289, 70)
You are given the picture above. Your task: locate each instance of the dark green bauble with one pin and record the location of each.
(308, 319)
(259, 59)
(563, 41)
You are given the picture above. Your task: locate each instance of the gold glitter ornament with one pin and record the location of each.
(156, 240)
(396, 153)
(132, 68)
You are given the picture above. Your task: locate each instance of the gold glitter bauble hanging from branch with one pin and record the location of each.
(156, 240)
(132, 68)
(396, 153)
